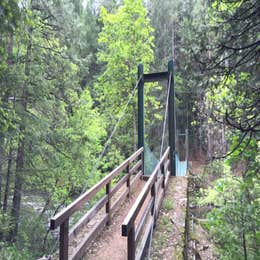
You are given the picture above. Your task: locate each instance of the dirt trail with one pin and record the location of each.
(168, 238)
(110, 245)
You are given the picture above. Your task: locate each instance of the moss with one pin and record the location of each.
(160, 239)
(178, 253)
(193, 235)
(167, 205)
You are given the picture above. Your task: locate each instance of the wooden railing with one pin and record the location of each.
(62, 218)
(138, 224)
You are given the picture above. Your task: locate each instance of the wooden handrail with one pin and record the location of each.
(156, 189)
(130, 218)
(62, 218)
(85, 197)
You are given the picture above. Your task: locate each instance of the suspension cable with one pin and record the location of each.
(101, 155)
(165, 114)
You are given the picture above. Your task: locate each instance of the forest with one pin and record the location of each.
(68, 71)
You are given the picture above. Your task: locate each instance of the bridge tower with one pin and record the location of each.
(156, 77)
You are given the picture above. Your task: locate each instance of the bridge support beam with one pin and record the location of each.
(171, 119)
(141, 110)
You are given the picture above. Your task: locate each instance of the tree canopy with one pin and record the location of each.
(68, 69)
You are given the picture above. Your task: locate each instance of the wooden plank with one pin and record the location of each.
(165, 155)
(145, 177)
(136, 167)
(167, 179)
(64, 240)
(80, 250)
(136, 178)
(167, 164)
(159, 203)
(130, 218)
(131, 244)
(159, 183)
(91, 235)
(123, 196)
(76, 204)
(153, 194)
(163, 174)
(135, 155)
(140, 249)
(128, 183)
(118, 201)
(108, 203)
(88, 216)
(141, 223)
(119, 185)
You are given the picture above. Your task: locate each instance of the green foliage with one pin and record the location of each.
(10, 15)
(167, 205)
(233, 222)
(125, 41)
(67, 68)
(46, 105)
(5, 223)
(12, 252)
(233, 216)
(228, 93)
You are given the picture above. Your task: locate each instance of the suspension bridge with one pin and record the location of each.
(132, 195)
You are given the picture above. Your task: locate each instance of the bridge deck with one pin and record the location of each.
(111, 245)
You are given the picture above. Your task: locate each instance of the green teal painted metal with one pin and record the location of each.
(171, 119)
(181, 166)
(140, 107)
(140, 74)
(155, 77)
(151, 78)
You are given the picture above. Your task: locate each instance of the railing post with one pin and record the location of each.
(142, 159)
(153, 191)
(131, 244)
(163, 174)
(128, 180)
(108, 187)
(64, 240)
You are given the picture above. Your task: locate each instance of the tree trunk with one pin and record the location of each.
(8, 176)
(1, 168)
(21, 150)
(17, 189)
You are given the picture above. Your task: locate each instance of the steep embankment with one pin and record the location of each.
(200, 245)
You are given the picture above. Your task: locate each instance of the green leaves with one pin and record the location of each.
(125, 40)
